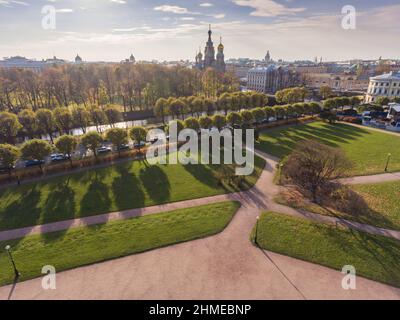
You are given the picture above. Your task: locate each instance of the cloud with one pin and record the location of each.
(206, 4)
(267, 8)
(174, 9)
(9, 3)
(65, 10)
(118, 1)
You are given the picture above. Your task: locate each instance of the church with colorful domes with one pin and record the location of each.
(210, 60)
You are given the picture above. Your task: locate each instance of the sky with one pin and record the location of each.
(110, 30)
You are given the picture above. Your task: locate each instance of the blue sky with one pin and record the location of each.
(174, 29)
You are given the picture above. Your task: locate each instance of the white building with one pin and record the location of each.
(385, 85)
(270, 79)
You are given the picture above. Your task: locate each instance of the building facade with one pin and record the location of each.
(271, 79)
(210, 60)
(386, 85)
(338, 82)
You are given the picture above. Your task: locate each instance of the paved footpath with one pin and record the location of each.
(225, 266)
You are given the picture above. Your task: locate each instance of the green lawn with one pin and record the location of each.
(82, 246)
(366, 148)
(374, 257)
(120, 187)
(378, 204)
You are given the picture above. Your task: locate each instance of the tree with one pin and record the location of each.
(46, 122)
(313, 165)
(329, 104)
(118, 137)
(208, 106)
(67, 144)
(9, 155)
(269, 112)
(225, 102)
(9, 127)
(113, 114)
(92, 141)
(138, 135)
(382, 101)
(247, 117)
(63, 119)
(325, 92)
(192, 123)
(219, 121)
(97, 116)
(354, 101)
(234, 119)
(27, 119)
(36, 150)
(176, 107)
(161, 109)
(205, 122)
(197, 106)
(81, 117)
(328, 115)
(258, 114)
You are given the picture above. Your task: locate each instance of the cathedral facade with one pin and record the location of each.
(210, 60)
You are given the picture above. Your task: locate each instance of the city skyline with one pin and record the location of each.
(109, 30)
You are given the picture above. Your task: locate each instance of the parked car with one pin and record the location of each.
(104, 150)
(139, 145)
(123, 147)
(58, 157)
(33, 163)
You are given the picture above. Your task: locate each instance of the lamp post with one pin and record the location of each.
(256, 232)
(387, 161)
(17, 274)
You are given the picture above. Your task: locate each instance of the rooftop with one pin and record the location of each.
(388, 76)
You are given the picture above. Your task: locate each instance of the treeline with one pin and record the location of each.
(341, 102)
(39, 150)
(196, 106)
(134, 86)
(61, 119)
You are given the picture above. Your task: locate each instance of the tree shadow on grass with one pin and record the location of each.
(127, 190)
(24, 212)
(203, 173)
(156, 183)
(59, 206)
(97, 198)
(384, 251)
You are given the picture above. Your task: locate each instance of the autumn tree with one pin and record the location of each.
(92, 141)
(45, 121)
(28, 120)
(313, 165)
(113, 114)
(118, 137)
(9, 127)
(192, 123)
(80, 117)
(138, 135)
(67, 144)
(9, 155)
(36, 150)
(63, 119)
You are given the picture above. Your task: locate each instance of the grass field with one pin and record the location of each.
(374, 257)
(379, 202)
(115, 188)
(366, 148)
(82, 246)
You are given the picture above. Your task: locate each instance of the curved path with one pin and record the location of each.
(225, 266)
